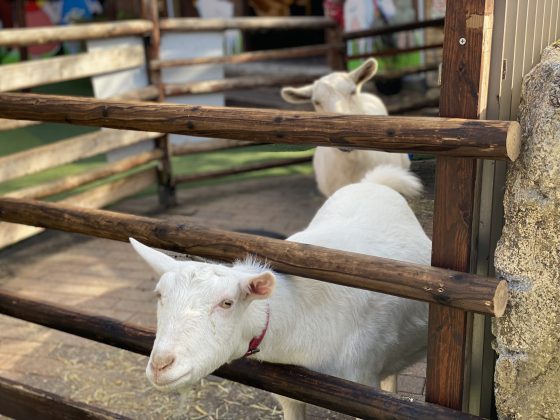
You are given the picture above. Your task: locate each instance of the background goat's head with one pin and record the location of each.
(202, 315)
(337, 92)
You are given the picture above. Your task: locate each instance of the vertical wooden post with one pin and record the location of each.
(166, 185)
(336, 57)
(466, 53)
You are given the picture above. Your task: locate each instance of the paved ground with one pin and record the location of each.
(107, 278)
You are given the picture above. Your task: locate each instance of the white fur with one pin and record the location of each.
(350, 333)
(340, 92)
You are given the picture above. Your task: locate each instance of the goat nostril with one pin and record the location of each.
(162, 363)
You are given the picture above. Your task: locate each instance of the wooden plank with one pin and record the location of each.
(533, 37)
(209, 145)
(432, 23)
(58, 69)
(236, 83)
(66, 151)
(277, 163)
(508, 61)
(394, 51)
(554, 15)
(166, 187)
(95, 198)
(76, 32)
(295, 382)
(247, 57)
(73, 181)
(519, 55)
(20, 401)
(446, 136)
(246, 24)
(6, 125)
(415, 281)
(465, 75)
(547, 18)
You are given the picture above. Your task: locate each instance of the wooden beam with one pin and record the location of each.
(277, 163)
(59, 69)
(210, 145)
(295, 382)
(246, 24)
(20, 401)
(465, 75)
(394, 51)
(70, 182)
(94, 198)
(65, 151)
(247, 57)
(6, 125)
(415, 281)
(75, 32)
(235, 83)
(432, 23)
(445, 136)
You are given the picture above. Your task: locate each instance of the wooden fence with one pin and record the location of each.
(453, 138)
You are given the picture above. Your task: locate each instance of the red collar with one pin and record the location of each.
(256, 341)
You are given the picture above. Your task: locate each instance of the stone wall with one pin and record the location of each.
(527, 377)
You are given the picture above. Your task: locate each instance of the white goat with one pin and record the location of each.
(210, 314)
(340, 92)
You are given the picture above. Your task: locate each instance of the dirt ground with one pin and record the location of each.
(107, 278)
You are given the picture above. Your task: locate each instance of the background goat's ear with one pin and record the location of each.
(297, 95)
(160, 262)
(365, 72)
(261, 286)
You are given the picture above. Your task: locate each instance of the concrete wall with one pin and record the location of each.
(527, 374)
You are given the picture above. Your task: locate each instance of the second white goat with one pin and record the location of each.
(340, 92)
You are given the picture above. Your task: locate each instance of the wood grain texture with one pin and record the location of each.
(246, 23)
(465, 76)
(235, 83)
(415, 281)
(70, 182)
(65, 151)
(20, 401)
(250, 167)
(432, 23)
(246, 57)
(58, 69)
(94, 198)
(292, 381)
(76, 32)
(210, 145)
(446, 136)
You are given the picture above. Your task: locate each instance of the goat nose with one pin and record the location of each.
(161, 362)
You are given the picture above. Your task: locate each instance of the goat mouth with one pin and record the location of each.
(184, 379)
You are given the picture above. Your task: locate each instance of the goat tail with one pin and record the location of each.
(397, 178)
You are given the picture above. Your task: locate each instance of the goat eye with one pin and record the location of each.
(158, 295)
(317, 103)
(226, 303)
(353, 92)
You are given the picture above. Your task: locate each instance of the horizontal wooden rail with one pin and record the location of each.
(65, 151)
(394, 51)
(147, 93)
(42, 35)
(210, 145)
(235, 83)
(395, 28)
(445, 136)
(20, 401)
(94, 198)
(429, 284)
(58, 69)
(246, 24)
(247, 57)
(392, 74)
(70, 182)
(6, 125)
(277, 163)
(333, 393)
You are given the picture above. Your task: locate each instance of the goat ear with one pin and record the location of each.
(261, 286)
(297, 95)
(160, 262)
(365, 72)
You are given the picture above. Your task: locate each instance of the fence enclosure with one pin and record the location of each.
(457, 139)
